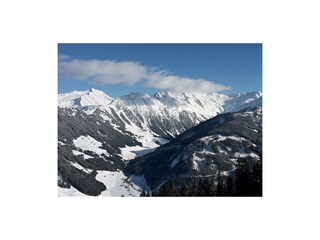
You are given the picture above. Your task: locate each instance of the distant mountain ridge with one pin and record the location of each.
(94, 97)
(166, 114)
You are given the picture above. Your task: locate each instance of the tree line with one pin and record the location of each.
(245, 180)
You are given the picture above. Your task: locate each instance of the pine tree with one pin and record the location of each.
(208, 186)
(228, 191)
(171, 189)
(201, 188)
(163, 191)
(243, 178)
(184, 191)
(257, 178)
(143, 193)
(219, 184)
(194, 187)
(213, 187)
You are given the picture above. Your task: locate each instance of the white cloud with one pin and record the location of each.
(180, 84)
(104, 72)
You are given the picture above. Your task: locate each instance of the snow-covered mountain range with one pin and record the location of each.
(163, 114)
(98, 134)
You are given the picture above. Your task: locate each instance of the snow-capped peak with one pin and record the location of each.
(165, 105)
(84, 98)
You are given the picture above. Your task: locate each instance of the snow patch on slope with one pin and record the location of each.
(243, 155)
(89, 143)
(117, 185)
(218, 138)
(70, 192)
(132, 152)
(144, 136)
(85, 156)
(78, 166)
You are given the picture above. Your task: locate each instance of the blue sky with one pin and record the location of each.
(119, 69)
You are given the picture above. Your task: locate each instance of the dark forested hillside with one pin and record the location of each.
(224, 153)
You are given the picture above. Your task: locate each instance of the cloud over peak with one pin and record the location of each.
(181, 84)
(103, 72)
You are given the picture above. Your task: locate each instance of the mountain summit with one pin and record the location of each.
(92, 97)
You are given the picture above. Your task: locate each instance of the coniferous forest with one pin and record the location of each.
(246, 180)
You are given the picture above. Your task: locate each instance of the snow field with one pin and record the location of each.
(117, 185)
(89, 143)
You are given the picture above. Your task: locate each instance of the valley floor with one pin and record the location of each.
(117, 184)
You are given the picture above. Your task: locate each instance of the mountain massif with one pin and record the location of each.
(119, 146)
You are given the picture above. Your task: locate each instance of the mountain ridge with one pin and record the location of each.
(63, 98)
(145, 109)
